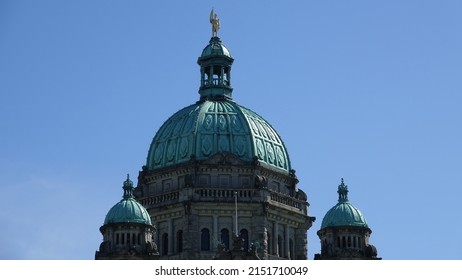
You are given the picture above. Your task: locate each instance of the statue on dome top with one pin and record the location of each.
(215, 21)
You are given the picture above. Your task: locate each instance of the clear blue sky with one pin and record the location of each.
(365, 90)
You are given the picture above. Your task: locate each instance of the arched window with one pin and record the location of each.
(164, 244)
(205, 239)
(245, 235)
(225, 238)
(179, 241)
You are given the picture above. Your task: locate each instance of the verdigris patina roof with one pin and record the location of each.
(343, 213)
(215, 48)
(212, 126)
(128, 210)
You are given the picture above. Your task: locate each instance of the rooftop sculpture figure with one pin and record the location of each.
(215, 21)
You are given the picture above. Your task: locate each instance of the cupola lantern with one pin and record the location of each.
(215, 62)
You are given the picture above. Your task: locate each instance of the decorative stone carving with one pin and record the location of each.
(280, 157)
(261, 182)
(158, 154)
(222, 123)
(261, 129)
(240, 146)
(207, 145)
(260, 149)
(184, 147)
(178, 127)
(187, 207)
(208, 122)
(270, 152)
(171, 151)
(223, 143)
(235, 123)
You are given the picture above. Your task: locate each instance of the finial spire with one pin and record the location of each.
(342, 192)
(128, 188)
(215, 21)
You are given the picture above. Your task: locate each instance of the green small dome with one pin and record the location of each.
(344, 213)
(215, 48)
(128, 210)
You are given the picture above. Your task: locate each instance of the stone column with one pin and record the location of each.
(229, 75)
(157, 235)
(259, 234)
(202, 76)
(275, 238)
(286, 239)
(170, 237)
(215, 233)
(301, 241)
(211, 75)
(222, 75)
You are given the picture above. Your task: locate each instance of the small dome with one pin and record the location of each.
(215, 48)
(128, 210)
(344, 213)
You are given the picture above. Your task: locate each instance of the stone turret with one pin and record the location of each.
(127, 230)
(344, 232)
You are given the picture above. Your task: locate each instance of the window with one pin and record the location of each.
(164, 244)
(179, 241)
(270, 243)
(205, 239)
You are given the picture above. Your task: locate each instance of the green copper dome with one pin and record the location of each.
(216, 123)
(344, 213)
(128, 210)
(213, 126)
(215, 48)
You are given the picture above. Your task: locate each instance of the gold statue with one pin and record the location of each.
(215, 21)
